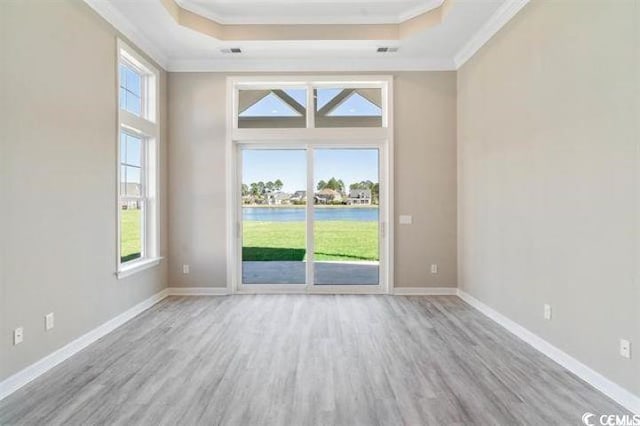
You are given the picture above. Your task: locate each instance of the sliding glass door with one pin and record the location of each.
(310, 217)
(273, 194)
(346, 224)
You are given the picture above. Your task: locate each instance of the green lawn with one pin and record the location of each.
(130, 244)
(334, 240)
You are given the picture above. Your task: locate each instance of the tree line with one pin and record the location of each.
(259, 189)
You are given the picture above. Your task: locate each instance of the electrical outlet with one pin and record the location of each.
(547, 312)
(405, 219)
(185, 269)
(49, 321)
(625, 348)
(18, 335)
(434, 269)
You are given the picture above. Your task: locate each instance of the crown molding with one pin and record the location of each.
(196, 7)
(303, 31)
(300, 65)
(124, 26)
(499, 19)
(416, 11)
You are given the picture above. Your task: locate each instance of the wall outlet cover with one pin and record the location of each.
(547, 312)
(49, 321)
(18, 335)
(405, 219)
(625, 348)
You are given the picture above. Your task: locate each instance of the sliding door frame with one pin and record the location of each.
(309, 139)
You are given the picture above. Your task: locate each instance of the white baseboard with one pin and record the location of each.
(198, 291)
(21, 378)
(614, 391)
(425, 291)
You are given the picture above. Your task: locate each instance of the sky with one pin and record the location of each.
(350, 165)
(272, 106)
(130, 154)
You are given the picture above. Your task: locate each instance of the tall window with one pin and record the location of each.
(137, 162)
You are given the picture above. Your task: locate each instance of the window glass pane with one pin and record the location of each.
(123, 147)
(346, 217)
(344, 107)
(356, 106)
(323, 96)
(130, 89)
(134, 151)
(123, 75)
(133, 183)
(133, 82)
(132, 104)
(274, 216)
(123, 98)
(276, 108)
(131, 226)
(123, 181)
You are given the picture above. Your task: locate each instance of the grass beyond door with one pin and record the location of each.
(334, 240)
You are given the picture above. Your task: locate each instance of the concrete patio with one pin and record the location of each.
(326, 272)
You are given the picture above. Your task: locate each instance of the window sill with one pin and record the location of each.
(135, 267)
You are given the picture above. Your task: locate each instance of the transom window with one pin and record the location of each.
(311, 105)
(130, 89)
(137, 170)
(272, 108)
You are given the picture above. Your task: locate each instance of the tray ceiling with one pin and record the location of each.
(441, 45)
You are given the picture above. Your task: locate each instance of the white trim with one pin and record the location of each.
(147, 127)
(121, 23)
(425, 291)
(308, 289)
(308, 139)
(232, 178)
(23, 377)
(424, 7)
(134, 267)
(499, 19)
(390, 18)
(198, 291)
(389, 64)
(595, 379)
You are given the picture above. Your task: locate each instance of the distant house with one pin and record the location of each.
(298, 196)
(278, 198)
(131, 190)
(327, 195)
(359, 196)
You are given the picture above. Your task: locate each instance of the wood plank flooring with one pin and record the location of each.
(307, 360)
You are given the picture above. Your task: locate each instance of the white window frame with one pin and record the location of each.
(147, 128)
(310, 137)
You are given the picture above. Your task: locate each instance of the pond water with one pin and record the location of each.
(284, 214)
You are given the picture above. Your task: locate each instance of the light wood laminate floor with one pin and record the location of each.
(307, 360)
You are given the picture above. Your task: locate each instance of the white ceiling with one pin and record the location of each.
(467, 26)
(309, 11)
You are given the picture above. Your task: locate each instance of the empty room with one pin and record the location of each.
(320, 212)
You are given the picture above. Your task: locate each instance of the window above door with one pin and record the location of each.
(310, 103)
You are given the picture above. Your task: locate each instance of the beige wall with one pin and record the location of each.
(58, 179)
(549, 177)
(425, 181)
